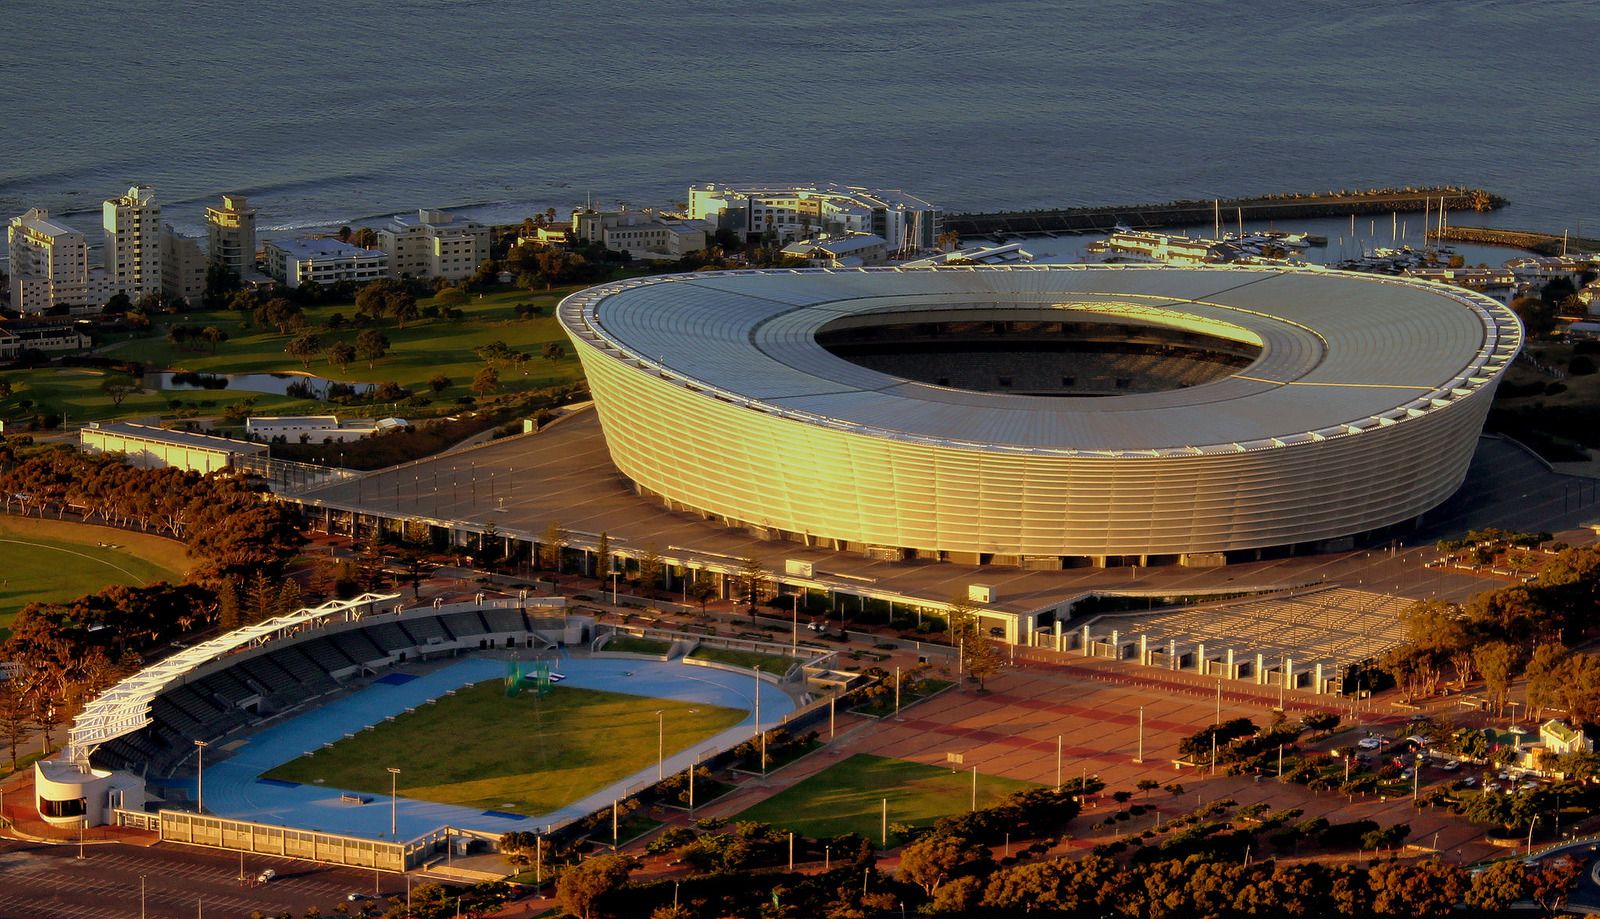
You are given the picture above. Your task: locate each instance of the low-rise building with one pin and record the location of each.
(326, 261)
(45, 337)
(1007, 254)
(317, 428)
(546, 236)
(850, 250)
(907, 223)
(433, 244)
(153, 447)
(644, 233)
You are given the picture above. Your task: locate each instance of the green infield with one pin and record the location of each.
(522, 754)
(847, 797)
(633, 644)
(49, 561)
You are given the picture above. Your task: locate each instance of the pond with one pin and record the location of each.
(274, 383)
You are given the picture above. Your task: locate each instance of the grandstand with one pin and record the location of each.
(1313, 635)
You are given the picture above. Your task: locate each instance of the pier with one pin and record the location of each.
(1198, 213)
(1542, 243)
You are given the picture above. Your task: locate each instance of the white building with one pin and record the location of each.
(851, 250)
(1007, 254)
(231, 235)
(433, 244)
(906, 222)
(645, 233)
(152, 447)
(132, 250)
(15, 339)
(50, 267)
(326, 261)
(183, 265)
(317, 428)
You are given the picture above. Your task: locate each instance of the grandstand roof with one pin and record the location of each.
(1340, 353)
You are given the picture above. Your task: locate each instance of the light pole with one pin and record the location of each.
(200, 776)
(1140, 757)
(794, 628)
(1058, 764)
(661, 746)
(394, 801)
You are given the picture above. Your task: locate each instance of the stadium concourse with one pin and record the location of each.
(234, 787)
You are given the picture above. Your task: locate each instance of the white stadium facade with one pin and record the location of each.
(1044, 415)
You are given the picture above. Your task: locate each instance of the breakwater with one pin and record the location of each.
(1542, 243)
(1198, 213)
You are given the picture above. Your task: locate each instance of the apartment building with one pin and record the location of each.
(433, 244)
(50, 267)
(644, 233)
(231, 235)
(183, 265)
(326, 261)
(906, 222)
(132, 250)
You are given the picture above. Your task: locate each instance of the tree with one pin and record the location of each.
(214, 336)
(1543, 674)
(553, 351)
(372, 300)
(583, 886)
(450, 296)
(340, 354)
(1537, 315)
(486, 381)
(402, 305)
(305, 347)
(980, 656)
(935, 858)
(551, 544)
(438, 382)
(753, 578)
(650, 568)
(120, 387)
(281, 313)
(16, 715)
(1497, 661)
(230, 613)
(372, 344)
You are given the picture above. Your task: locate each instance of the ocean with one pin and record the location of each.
(328, 114)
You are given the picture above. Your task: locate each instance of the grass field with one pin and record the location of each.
(55, 560)
(419, 351)
(848, 797)
(633, 644)
(778, 664)
(523, 754)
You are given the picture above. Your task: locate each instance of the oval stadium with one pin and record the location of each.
(1044, 415)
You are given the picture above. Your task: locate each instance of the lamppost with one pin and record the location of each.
(200, 776)
(661, 746)
(394, 801)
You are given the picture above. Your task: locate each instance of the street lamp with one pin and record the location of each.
(200, 776)
(394, 779)
(661, 746)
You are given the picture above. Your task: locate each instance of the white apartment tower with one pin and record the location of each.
(433, 244)
(183, 265)
(231, 235)
(50, 266)
(132, 253)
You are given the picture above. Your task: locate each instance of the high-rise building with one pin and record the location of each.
(50, 266)
(132, 252)
(231, 235)
(433, 244)
(183, 265)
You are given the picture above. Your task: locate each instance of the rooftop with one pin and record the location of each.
(176, 438)
(38, 220)
(326, 247)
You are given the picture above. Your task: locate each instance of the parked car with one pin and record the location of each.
(266, 876)
(1369, 743)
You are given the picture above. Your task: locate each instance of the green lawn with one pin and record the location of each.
(523, 754)
(848, 797)
(776, 664)
(633, 644)
(55, 560)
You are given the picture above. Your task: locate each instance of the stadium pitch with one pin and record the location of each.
(528, 753)
(848, 797)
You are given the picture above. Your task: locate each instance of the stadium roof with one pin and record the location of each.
(1340, 352)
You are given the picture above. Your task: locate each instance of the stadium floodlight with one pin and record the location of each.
(200, 776)
(661, 745)
(394, 779)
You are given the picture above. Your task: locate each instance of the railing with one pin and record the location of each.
(286, 842)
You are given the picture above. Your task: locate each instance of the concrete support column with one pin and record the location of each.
(1288, 673)
(1261, 674)
(1116, 645)
(1317, 680)
(1144, 649)
(1084, 648)
(1230, 664)
(1058, 636)
(1200, 658)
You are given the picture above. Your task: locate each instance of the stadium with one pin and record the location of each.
(278, 738)
(1044, 416)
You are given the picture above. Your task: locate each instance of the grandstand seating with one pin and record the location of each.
(389, 637)
(504, 620)
(424, 629)
(359, 646)
(327, 655)
(463, 625)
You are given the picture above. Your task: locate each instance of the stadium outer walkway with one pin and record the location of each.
(518, 485)
(233, 787)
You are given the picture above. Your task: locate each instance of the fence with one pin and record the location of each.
(284, 842)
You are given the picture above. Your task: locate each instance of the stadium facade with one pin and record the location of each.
(1044, 415)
